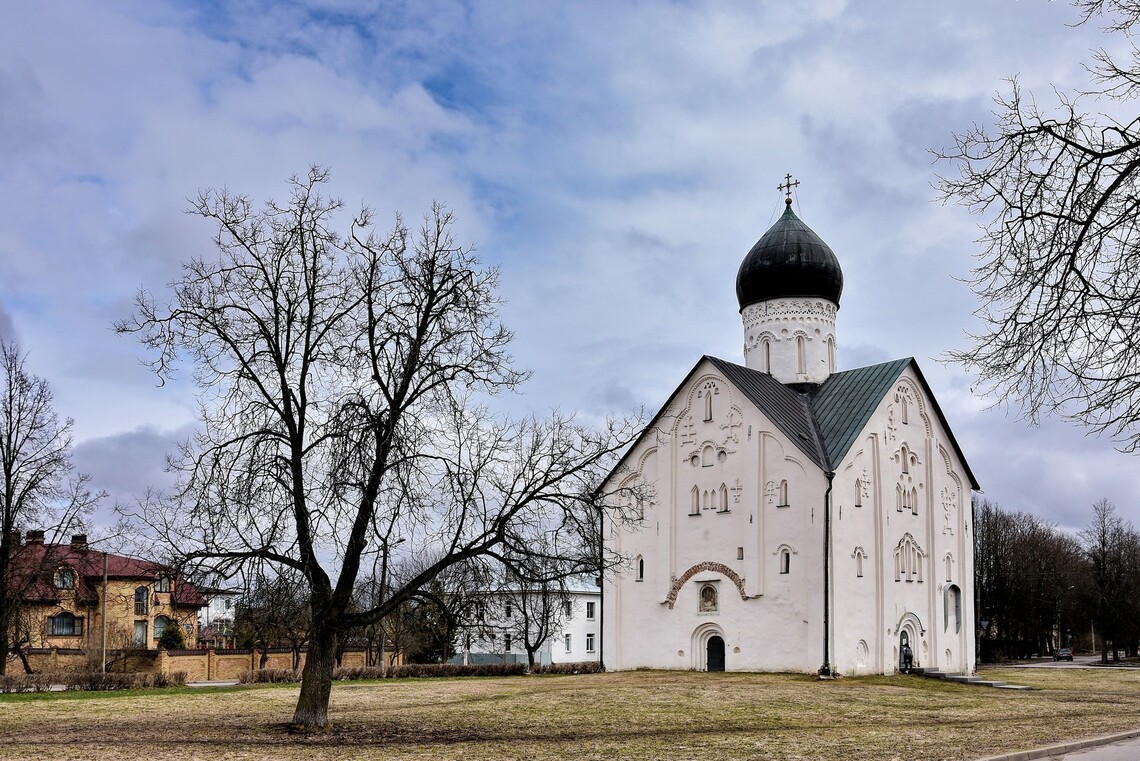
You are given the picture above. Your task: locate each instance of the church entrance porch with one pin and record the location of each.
(714, 654)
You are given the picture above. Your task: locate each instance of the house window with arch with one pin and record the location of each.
(160, 624)
(640, 568)
(65, 579)
(65, 625)
(142, 601)
(708, 599)
(708, 456)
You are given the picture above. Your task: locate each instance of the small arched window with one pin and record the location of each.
(783, 501)
(858, 492)
(722, 501)
(801, 354)
(914, 501)
(831, 354)
(695, 507)
(142, 600)
(785, 560)
(905, 459)
(766, 356)
(640, 568)
(949, 560)
(65, 578)
(904, 411)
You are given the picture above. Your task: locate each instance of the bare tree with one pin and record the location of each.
(1058, 272)
(1113, 550)
(37, 484)
(338, 379)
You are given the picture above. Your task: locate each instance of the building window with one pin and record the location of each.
(766, 355)
(695, 507)
(162, 584)
(909, 559)
(740, 553)
(566, 641)
(785, 560)
(801, 355)
(859, 554)
(140, 634)
(858, 492)
(640, 568)
(905, 459)
(65, 625)
(722, 499)
(590, 642)
(830, 354)
(568, 608)
(142, 599)
(506, 642)
(508, 610)
(160, 624)
(783, 496)
(65, 578)
(589, 611)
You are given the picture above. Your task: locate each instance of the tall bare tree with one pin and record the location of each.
(38, 486)
(338, 381)
(1059, 270)
(1113, 550)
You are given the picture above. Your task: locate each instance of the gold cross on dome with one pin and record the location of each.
(786, 187)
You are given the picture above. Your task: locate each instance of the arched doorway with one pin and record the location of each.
(714, 655)
(906, 651)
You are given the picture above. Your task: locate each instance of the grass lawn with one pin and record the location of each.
(635, 715)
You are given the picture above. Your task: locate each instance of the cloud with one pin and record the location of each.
(615, 159)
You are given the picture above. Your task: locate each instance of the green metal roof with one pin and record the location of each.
(846, 400)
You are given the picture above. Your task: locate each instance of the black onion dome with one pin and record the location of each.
(789, 260)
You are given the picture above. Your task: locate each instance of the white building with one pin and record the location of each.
(570, 619)
(793, 517)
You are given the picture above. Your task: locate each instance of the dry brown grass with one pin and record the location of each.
(638, 715)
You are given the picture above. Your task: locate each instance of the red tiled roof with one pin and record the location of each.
(41, 561)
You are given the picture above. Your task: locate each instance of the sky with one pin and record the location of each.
(616, 160)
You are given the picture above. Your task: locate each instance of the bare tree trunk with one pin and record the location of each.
(312, 710)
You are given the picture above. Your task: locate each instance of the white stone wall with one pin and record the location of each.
(769, 620)
(872, 612)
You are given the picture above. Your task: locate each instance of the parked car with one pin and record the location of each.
(1063, 654)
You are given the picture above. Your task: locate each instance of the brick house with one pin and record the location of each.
(68, 591)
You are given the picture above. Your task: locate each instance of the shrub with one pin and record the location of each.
(172, 637)
(26, 682)
(585, 667)
(269, 676)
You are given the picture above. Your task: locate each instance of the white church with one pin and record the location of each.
(788, 516)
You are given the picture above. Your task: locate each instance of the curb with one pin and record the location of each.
(1062, 748)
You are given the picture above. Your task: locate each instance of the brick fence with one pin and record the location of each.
(199, 665)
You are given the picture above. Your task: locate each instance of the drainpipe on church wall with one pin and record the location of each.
(825, 669)
(601, 587)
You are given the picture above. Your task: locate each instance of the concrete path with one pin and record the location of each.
(1122, 746)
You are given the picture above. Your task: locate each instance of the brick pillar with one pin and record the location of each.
(211, 664)
(253, 658)
(162, 663)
